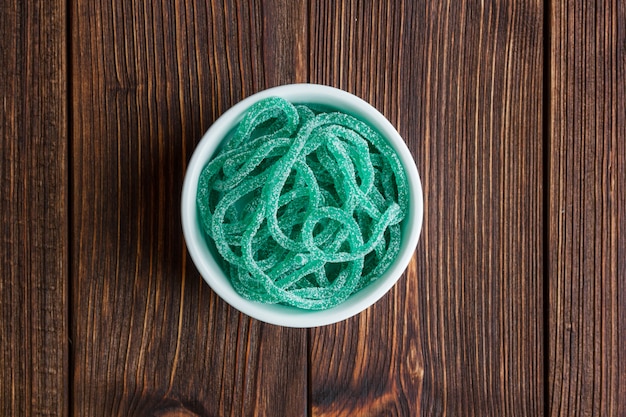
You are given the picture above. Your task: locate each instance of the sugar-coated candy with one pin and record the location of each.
(303, 204)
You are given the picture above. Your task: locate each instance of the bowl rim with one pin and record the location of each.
(278, 314)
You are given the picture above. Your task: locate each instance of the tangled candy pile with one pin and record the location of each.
(304, 204)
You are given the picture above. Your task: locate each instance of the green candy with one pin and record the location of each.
(304, 205)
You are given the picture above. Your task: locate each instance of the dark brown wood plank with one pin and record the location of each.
(461, 334)
(33, 209)
(149, 336)
(587, 332)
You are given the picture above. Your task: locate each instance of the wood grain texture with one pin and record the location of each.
(501, 284)
(33, 209)
(481, 268)
(150, 337)
(462, 332)
(587, 334)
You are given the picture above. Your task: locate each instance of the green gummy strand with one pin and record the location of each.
(303, 204)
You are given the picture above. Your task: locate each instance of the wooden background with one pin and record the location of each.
(513, 305)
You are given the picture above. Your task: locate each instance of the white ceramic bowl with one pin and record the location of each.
(209, 267)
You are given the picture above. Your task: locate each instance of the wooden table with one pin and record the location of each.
(513, 305)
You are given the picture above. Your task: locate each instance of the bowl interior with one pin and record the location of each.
(205, 256)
